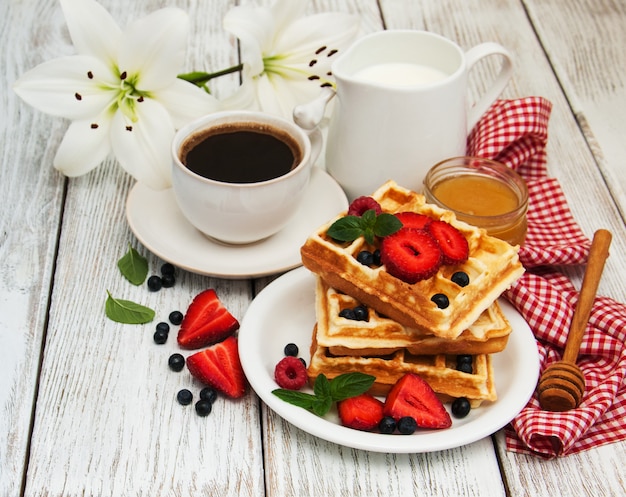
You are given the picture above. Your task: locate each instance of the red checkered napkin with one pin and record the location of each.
(515, 132)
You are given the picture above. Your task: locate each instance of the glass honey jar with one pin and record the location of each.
(483, 193)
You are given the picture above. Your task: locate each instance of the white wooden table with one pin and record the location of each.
(87, 405)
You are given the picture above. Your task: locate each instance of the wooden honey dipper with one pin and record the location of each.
(562, 384)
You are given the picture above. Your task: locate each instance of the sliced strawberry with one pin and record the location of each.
(453, 243)
(412, 396)
(206, 322)
(410, 255)
(362, 412)
(361, 204)
(413, 220)
(219, 366)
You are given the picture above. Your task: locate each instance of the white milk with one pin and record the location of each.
(400, 74)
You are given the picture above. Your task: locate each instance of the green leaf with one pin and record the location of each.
(346, 229)
(127, 312)
(386, 224)
(134, 266)
(300, 399)
(322, 405)
(369, 226)
(321, 387)
(350, 385)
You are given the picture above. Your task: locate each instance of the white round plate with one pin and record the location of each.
(284, 312)
(156, 221)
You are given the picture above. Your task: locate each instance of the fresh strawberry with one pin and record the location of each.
(219, 366)
(206, 322)
(452, 242)
(412, 396)
(362, 412)
(413, 220)
(361, 204)
(410, 255)
(290, 373)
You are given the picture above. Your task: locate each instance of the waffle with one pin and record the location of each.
(438, 370)
(379, 335)
(493, 265)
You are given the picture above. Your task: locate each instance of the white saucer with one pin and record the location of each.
(158, 224)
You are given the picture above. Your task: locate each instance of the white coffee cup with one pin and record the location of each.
(409, 113)
(232, 211)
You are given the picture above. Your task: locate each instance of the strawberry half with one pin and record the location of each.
(362, 412)
(206, 322)
(453, 244)
(412, 396)
(410, 255)
(413, 219)
(219, 366)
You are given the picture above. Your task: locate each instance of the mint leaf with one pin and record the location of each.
(300, 399)
(350, 385)
(346, 229)
(326, 392)
(386, 224)
(134, 266)
(369, 225)
(127, 312)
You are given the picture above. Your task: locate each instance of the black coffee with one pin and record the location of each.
(240, 153)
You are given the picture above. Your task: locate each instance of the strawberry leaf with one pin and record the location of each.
(127, 312)
(133, 266)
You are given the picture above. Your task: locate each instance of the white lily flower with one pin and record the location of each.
(287, 56)
(120, 91)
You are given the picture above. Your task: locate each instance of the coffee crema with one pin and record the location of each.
(241, 153)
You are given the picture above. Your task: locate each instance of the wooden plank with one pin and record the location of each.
(585, 44)
(32, 196)
(107, 422)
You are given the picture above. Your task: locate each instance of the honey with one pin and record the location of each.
(482, 193)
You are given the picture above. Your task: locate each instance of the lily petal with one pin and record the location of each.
(254, 27)
(153, 48)
(84, 146)
(143, 147)
(92, 29)
(74, 87)
(285, 12)
(185, 102)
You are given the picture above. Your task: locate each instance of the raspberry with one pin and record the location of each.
(361, 204)
(290, 373)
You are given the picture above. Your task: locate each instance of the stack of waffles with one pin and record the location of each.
(404, 330)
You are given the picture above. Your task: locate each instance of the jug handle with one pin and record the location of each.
(309, 115)
(473, 55)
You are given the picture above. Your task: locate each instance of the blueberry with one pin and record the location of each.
(440, 300)
(176, 362)
(460, 278)
(203, 407)
(168, 280)
(465, 367)
(291, 349)
(461, 407)
(376, 256)
(464, 358)
(360, 313)
(348, 314)
(160, 337)
(176, 317)
(407, 425)
(208, 393)
(387, 425)
(184, 397)
(163, 327)
(155, 283)
(302, 361)
(365, 257)
(168, 269)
